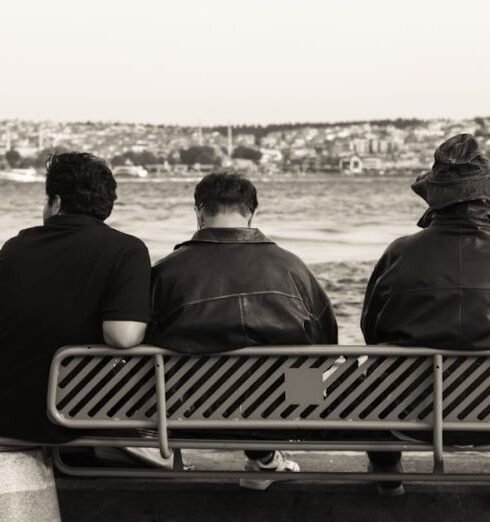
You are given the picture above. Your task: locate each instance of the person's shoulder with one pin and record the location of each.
(172, 259)
(405, 242)
(23, 236)
(125, 240)
(288, 259)
(406, 248)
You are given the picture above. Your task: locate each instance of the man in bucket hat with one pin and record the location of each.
(432, 288)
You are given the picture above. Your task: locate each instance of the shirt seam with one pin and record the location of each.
(242, 317)
(228, 296)
(317, 317)
(224, 242)
(451, 287)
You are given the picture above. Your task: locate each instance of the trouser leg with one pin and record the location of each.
(384, 458)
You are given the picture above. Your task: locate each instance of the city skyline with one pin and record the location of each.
(398, 146)
(206, 63)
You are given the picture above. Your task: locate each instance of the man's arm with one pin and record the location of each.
(126, 307)
(123, 334)
(373, 302)
(323, 312)
(328, 323)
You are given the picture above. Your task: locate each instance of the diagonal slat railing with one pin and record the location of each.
(340, 387)
(464, 396)
(421, 378)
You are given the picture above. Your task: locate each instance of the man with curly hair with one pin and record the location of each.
(73, 280)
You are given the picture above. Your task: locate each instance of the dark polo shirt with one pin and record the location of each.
(58, 283)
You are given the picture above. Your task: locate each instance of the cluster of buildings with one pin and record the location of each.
(388, 147)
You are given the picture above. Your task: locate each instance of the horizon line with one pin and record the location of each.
(256, 125)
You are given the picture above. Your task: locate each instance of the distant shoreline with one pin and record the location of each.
(7, 177)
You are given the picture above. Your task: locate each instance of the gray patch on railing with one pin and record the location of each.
(304, 386)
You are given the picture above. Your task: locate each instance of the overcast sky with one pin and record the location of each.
(233, 61)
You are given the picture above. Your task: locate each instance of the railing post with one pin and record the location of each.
(178, 460)
(161, 407)
(437, 427)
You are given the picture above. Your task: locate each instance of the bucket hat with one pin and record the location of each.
(459, 173)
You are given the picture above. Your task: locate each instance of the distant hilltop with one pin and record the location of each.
(384, 147)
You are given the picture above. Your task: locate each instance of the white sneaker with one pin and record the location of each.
(278, 463)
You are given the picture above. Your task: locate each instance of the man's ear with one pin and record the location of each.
(200, 222)
(56, 205)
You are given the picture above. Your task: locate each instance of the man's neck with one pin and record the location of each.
(226, 221)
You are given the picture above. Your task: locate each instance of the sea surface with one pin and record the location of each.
(339, 226)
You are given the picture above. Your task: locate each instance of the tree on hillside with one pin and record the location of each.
(242, 152)
(13, 158)
(142, 158)
(199, 154)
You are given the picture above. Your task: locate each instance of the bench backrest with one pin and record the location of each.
(271, 387)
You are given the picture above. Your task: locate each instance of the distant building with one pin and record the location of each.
(28, 145)
(329, 165)
(361, 146)
(244, 166)
(271, 156)
(247, 140)
(372, 163)
(351, 165)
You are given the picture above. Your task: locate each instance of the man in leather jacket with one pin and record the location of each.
(432, 288)
(230, 286)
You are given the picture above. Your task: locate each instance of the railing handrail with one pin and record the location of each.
(388, 350)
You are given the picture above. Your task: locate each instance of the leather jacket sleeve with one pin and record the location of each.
(374, 301)
(323, 312)
(328, 323)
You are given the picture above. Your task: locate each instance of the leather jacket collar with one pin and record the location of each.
(473, 213)
(227, 235)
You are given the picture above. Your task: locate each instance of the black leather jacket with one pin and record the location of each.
(433, 288)
(229, 288)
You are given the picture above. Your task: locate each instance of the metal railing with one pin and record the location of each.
(272, 388)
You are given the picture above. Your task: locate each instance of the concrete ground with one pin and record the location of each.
(131, 500)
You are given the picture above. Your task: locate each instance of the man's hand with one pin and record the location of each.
(123, 334)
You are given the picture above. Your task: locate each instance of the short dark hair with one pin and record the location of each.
(84, 183)
(225, 190)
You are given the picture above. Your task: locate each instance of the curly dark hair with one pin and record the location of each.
(84, 183)
(225, 189)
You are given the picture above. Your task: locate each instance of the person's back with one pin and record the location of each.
(231, 287)
(73, 280)
(434, 286)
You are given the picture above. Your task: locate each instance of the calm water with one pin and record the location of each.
(338, 226)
